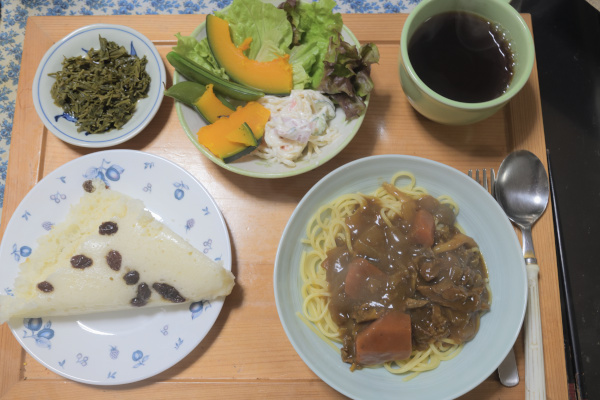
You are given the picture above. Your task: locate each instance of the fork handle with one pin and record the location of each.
(535, 381)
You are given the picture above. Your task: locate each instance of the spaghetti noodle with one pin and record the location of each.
(329, 229)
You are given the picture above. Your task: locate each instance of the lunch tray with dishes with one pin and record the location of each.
(247, 353)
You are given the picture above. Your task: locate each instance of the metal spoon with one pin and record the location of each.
(522, 191)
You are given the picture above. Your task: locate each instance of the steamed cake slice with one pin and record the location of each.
(111, 254)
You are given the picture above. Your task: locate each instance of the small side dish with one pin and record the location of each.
(298, 61)
(94, 107)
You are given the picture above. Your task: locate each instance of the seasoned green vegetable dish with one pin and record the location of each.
(101, 90)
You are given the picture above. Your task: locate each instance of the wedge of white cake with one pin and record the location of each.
(111, 254)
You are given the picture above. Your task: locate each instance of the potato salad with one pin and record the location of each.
(298, 127)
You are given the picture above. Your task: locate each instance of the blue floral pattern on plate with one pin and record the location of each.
(124, 347)
(34, 330)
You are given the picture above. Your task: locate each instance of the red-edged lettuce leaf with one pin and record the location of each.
(293, 17)
(347, 75)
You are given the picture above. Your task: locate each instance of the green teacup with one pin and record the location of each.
(445, 110)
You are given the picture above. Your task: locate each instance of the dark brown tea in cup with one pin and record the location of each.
(462, 56)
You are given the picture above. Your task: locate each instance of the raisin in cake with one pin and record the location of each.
(111, 254)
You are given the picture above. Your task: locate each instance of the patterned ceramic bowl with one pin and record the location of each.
(78, 43)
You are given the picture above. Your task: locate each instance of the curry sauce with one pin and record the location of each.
(437, 278)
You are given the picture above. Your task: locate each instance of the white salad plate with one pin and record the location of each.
(117, 347)
(480, 216)
(77, 43)
(254, 166)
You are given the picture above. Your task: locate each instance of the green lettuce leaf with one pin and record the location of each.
(302, 58)
(267, 25)
(199, 52)
(315, 24)
(340, 69)
(294, 19)
(311, 33)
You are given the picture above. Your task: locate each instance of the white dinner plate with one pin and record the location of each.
(480, 216)
(77, 43)
(117, 347)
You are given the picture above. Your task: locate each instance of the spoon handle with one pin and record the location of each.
(535, 381)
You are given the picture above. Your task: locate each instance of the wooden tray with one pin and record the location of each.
(247, 354)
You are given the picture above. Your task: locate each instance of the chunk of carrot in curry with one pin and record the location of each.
(361, 275)
(386, 339)
(423, 228)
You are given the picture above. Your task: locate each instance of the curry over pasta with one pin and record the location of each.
(393, 278)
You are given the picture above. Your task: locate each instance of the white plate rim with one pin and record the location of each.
(207, 315)
(113, 137)
(297, 331)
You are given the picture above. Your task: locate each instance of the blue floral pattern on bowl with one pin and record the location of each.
(117, 348)
(105, 171)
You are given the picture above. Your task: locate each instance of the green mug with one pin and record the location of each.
(442, 109)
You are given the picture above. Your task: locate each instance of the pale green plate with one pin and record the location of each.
(480, 216)
(255, 166)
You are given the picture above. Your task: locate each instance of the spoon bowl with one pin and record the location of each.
(522, 187)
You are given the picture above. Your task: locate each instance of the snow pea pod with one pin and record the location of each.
(194, 72)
